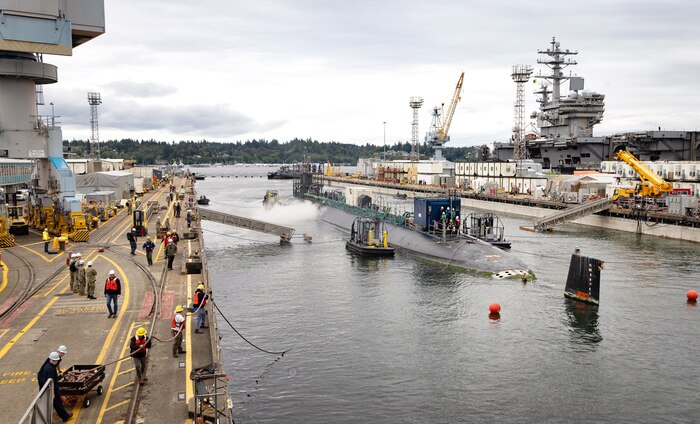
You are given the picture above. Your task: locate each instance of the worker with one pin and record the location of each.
(166, 237)
(46, 238)
(113, 289)
(49, 371)
(200, 314)
(166, 224)
(81, 277)
(174, 237)
(128, 207)
(178, 209)
(170, 251)
(139, 346)
(90, 280)
(131, 236)
(177, 328)
(73, 268)
(148, 246)
(62, 350)
(158, 225)
(188, 218)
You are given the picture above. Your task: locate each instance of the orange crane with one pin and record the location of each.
(438, 135)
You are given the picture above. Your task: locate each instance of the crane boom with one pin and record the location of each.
(652, 183)
(447, 118)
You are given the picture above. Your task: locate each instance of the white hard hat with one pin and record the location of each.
(73, 255)
(111, 272)
(62, 349)
(54, 356)
(89, 263)
(133, 229)
(79, 254)
(82, 262)
(169, 240)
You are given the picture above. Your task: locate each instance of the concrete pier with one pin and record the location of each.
(43, 313)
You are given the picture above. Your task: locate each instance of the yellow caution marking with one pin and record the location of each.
(5, 270)
(189, 384)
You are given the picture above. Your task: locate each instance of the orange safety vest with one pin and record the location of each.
(199, 299)
(111, 284)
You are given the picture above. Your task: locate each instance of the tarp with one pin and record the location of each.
(120, 182)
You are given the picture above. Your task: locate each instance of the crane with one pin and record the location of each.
(439, 128)
(652, 185)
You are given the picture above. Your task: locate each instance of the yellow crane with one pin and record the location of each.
(652, 185)
(440, 127)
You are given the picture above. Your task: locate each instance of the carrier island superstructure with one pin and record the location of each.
(565, 140)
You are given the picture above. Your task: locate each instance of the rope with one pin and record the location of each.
(241, 336)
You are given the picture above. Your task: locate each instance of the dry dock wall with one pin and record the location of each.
(677, 232)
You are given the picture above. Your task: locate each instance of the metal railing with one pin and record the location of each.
(40, 411)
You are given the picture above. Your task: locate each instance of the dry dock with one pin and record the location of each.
(38, 312)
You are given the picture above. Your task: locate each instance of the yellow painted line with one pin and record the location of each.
(3, 332)
(118, 404)
(110, 337)
(5, 270)
(126, 371)
(41, 255)
(116, 389)
(189, 384)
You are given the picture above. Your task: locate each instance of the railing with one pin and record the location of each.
(40, 411)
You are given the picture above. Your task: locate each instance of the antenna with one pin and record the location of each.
(415, 103)
(94, 100)
(521, 75)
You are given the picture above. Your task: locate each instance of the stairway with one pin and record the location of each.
(570, 214)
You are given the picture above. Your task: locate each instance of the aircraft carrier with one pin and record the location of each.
(565, 140)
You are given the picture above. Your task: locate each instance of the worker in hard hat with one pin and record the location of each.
(81, 277)
(200, 314)
(49, 370)
(139, 346)
(170, 251)
(131, 236)
(90, 280)
(46, 237)
(113, 289)
(177, 327)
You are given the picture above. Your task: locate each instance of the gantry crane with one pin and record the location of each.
(440, 126)
(652, 185)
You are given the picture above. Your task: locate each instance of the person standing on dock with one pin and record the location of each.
(113, 289)
(73, 268)
(177, 328)
(189, 219)
(46, 237)
(131, 236)
(200, 314)
(170, 251)
(139, 345)
(178, 209)
(81, 277)
(90, 280)
(148, 246)
(50, 370)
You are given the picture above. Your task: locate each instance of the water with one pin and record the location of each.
(396, 340)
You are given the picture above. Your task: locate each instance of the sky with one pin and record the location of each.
(230, 70)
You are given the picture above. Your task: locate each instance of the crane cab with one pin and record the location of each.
(18, 224)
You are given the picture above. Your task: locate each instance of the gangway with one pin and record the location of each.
(285, 233)
(570, 214)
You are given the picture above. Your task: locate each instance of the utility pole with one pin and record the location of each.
(384, 141)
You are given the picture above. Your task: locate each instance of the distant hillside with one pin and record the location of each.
(146, 152)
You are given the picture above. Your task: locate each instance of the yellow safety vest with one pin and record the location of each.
(45, 236)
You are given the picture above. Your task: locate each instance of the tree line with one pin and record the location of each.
(147, 152)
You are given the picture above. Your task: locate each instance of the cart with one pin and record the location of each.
(74, 392)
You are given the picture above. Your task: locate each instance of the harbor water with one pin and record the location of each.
(405, 341)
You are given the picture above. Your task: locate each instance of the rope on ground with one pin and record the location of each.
(241, 336)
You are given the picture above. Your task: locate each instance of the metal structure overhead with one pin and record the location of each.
(94, 100)
(440, 126)
(415, 102)
(521, 75)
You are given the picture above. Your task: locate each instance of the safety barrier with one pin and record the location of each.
(79, 235)
(7, 240)
(40, 411)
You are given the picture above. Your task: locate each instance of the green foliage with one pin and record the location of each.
(147, 152)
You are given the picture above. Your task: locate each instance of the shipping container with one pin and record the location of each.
(427, 211)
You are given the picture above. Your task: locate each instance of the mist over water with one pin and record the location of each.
(396, 340)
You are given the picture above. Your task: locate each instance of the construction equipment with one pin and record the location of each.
(18, 224)
(6, 239)
(651, 185)
(440, 126)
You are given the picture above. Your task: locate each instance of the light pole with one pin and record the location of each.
(384, 141)
(53, 115)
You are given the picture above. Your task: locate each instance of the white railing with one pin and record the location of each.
(40, 411)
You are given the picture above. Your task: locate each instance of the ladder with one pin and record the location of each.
(570, 214)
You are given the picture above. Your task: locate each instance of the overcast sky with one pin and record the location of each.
(229, 70)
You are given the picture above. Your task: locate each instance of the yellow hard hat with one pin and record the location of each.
(178, 308)
(201, 286)
(46, 229)
(141, 331)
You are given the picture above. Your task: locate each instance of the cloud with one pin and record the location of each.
(140, 89)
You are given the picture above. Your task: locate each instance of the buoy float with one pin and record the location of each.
(692, 296)
(495, 308)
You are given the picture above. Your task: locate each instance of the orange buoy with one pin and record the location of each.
(692, 296)
(494, 308)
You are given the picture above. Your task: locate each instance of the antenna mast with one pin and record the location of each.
(521, 75)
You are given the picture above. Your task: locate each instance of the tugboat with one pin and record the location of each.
(284, 173)
(362, 241)
(402, 196)
(486, 227)
(202, 200)
(271, 197)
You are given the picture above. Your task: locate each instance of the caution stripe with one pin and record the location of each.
(29, 47)
(79, 235)
(7, 240)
